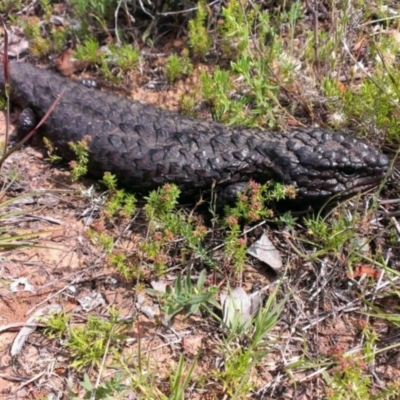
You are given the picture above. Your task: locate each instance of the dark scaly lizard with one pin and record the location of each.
(146, 147)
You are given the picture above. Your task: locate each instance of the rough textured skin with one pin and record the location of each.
(147, 147)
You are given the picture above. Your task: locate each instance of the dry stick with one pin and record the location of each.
(20, 325)
(145, 11)
(103, 362)
(33, 379)
(26, 10)
(13, 378)
(6, 85)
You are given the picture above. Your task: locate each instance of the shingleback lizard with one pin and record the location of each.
(146, 147)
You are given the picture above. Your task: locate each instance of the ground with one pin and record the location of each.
(327, 329)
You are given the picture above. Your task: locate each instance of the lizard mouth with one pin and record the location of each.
(340, 190)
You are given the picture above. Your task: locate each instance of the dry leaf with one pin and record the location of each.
(264, 250)
(66, 65)
(366, 270)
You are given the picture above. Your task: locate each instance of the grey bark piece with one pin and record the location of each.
(264, 250)
(24, 333)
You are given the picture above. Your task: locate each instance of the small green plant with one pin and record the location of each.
(93, 14)
(166, 223)
(110, 181)
(216, 89)
(47, 10)
(51, 151)
(122, 264)
(235, 31)
(79, 167)
(89, 51)
(88, 344)
(160, 203)
(124, 57)
(38, 45)
(250, 207)
(3, 104)
(199, 39)
(123, 202)
(59, 38)
(188, 104)
(392, 316)
(180, 379)
(291, 17)
(56, 325)
(331, 233)
(185, 296)
(178, 66)
(119, 201)
(241, 359)
(102, 239)
(349, 380)
(250, 204)
(109, 390)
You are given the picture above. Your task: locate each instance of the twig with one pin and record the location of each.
(13, 378)
(20, 325)
(118, 40)
(34, 378)
(6, 85)
(103, 362)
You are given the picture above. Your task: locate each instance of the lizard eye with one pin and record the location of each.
(349, 171)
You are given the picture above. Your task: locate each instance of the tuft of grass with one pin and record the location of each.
(247, 93)
(184, 296)
(12, 237)
(90, 343)
(51, 151)
(199, 38)
(125, 57)
(245, 347)
(349, 379)
(59, 38)
(250, 207)
(331, 234)
(3, 103)
(39, 45)
(167, 224)
(79, 167)
(110, 389)
(94, 14)
(178, 66)
(89, 51)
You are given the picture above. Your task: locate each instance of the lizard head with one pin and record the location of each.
(321, 164)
